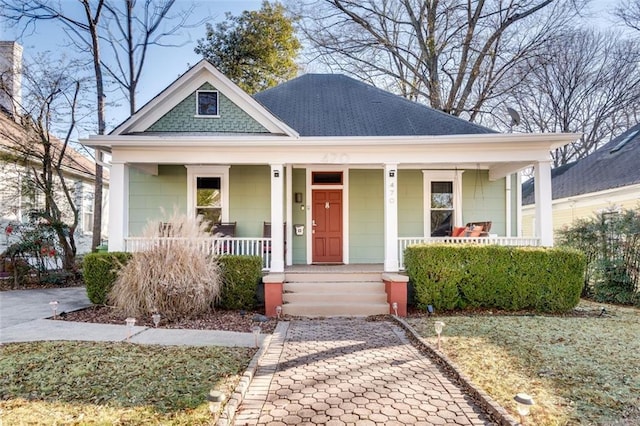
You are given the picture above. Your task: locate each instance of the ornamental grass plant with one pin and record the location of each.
(174, 276)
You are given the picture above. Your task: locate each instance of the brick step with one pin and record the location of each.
(330, 298)
(335, 287)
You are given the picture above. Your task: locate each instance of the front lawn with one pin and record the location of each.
(580, 369)
(76, 383)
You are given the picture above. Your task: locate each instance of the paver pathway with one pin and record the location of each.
(351, 372)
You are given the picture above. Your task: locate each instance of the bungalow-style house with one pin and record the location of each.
(606, 180)
(340, 171)
(19, 158)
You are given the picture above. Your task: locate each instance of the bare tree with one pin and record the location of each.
(52, 98)
(628, 11)
(454, 55)
(129, 28)
(585, 81)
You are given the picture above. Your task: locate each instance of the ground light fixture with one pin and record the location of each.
(215, 398)
(256, 334)
(130, 322)
(438, 325)
(54, 308)
(524, 403)
(395, 308)
(156, 319)
(278, 311)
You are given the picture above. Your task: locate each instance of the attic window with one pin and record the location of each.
(624, 141)
(207, 103)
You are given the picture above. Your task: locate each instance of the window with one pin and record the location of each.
(207, 103)
(327, 178)
(442, 202)
(208, 192)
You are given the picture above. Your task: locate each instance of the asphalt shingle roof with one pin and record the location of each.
(337, 105)
(613, 165)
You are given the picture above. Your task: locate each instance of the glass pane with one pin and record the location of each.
(210, 215)
(207, 103)
(441, 195)
(441, 223)
(327, 178)
(208, 192)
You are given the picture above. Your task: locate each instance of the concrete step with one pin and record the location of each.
(327, 287)
(330, 298)
(335, 309)
(332, 276)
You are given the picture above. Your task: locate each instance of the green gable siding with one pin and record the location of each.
(182, 118)
(366, 216)
(483, 200)
(149, 195)
(249, 199)
(410, 203)
(299, 243)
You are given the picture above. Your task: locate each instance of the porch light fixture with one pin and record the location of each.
(392, 173)
(394, 306)
(215, 398)
(276, 173)
(256, 334)
(298, 197)
(54, 308)
(438, 325)
(278, 311)
(156, 319)
(524, 402)
(130, 322)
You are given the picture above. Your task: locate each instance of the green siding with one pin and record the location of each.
(366, 216)
(182, 118)
(410, 203)
(299, 243)
(249, 199)
(483, 200)
(149, 195)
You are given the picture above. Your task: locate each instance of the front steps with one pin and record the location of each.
(334, 294)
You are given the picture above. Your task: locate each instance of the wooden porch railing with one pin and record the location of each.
(211, 246)
(404, 242)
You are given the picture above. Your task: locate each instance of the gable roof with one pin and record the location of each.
(188, 83)
(337, 105)
(613, 165)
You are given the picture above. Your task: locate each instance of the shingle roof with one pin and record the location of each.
(337, 105)
(613, 165)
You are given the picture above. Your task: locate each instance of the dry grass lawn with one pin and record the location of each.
(580, 369)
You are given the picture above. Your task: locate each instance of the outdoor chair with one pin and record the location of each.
(224, 229)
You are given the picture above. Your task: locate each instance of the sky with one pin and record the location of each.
(164, 65)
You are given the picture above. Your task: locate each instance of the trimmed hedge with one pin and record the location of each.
(241, 275)
(507, 278)
(99, 271)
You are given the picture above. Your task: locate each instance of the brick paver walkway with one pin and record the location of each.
(351, 372)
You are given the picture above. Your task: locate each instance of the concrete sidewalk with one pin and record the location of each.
(24, 313)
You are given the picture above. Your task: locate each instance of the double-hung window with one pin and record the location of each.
(442, 201)
(208, 192)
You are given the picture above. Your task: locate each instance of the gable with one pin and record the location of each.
(183, 119)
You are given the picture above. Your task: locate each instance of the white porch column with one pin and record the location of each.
(277, 218)
(289, 229)
(391, 218)
(118, 205)
(544, 212)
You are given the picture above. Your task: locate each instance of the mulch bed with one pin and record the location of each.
(218, 320)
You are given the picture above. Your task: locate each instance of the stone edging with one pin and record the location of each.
(484, 400)
(230, 409)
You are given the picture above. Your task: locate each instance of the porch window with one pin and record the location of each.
(442, 201)
(208, 192)
(207, 103)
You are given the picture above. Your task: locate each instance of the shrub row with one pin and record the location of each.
(241, 276)
(509, 278)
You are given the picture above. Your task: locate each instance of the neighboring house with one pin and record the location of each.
(352, 173)
(18, 195)
(606, 180)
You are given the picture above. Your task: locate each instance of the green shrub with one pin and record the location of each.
(507, 278)
(100, 271)
(241, 275)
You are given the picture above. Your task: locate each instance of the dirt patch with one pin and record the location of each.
(241, 321)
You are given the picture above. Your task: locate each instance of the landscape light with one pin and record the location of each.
(278, 311)
(524, 402)
(256, 334)
(156, 319)
(215, 398)
(130, 322)
(438, 325)
(395, 308)
(54, 307)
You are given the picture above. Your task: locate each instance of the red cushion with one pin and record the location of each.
(458, 231)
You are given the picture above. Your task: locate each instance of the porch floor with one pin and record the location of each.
(338, 269)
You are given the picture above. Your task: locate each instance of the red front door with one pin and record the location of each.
(327, 225)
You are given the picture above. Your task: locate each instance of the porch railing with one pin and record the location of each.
(211, 246)
(404, 242)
